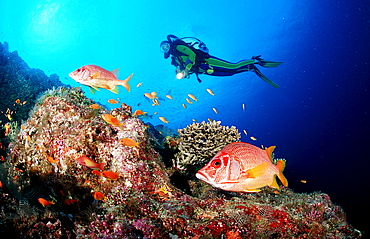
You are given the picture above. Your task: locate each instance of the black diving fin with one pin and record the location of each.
(263, 77)
(264, 63)
(269, 63)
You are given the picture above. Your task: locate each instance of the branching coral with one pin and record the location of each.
(201, 141)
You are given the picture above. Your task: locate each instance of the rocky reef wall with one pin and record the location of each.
(43, 162)
(20, 82)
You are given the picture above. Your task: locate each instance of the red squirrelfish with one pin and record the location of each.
(97, 77)
(85, 161)
(242, 167)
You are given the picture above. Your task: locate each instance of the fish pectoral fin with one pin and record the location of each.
(96, 75)
(116, 72)
(258, 170)
(105, 87)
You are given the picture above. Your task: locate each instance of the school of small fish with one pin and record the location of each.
(98, 78)
(239, 167)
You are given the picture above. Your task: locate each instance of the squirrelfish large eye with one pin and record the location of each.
(216, 163)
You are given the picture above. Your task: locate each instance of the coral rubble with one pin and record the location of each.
(142, 202)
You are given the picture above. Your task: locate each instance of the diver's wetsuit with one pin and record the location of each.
(197, 61)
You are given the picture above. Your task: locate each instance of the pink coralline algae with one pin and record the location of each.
(143, 202)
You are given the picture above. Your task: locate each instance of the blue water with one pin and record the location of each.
(318, 119)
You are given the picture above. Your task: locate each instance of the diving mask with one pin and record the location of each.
(165, 46)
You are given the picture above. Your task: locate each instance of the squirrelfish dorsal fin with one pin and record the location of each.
(116, 72)
(269, 151)
(258, 170)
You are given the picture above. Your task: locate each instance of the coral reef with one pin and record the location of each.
(142, 202)
(199, 142)
(19, 82)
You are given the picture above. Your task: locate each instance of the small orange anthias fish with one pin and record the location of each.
(97, 77)
(7, 129)
(45, 202)
(70, 201)
(98, 196)
(110, 175)
(111, 120)
(113, 101)
(130, 142)
(52, 160)
(96, 172)
(242, 167)
(139, 112)
(85, 161)
(95, 106)
(163, 119)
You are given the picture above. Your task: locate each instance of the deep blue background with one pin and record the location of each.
(318, 119)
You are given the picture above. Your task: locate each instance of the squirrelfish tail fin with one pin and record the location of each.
(281, 165)
(126, 84)
(263, 77)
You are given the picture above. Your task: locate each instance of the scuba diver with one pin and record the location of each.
(193, 57)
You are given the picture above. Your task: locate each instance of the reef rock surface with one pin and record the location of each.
(142, 202)
(20, 82)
